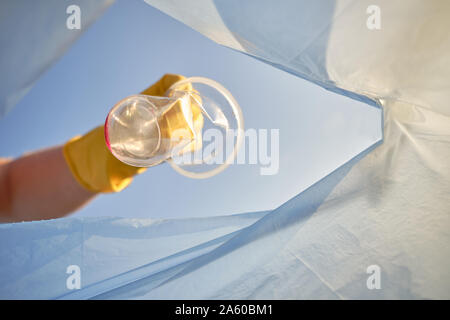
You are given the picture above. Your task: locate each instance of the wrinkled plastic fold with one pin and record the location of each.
(34, 35)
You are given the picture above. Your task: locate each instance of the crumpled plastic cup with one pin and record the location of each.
(144, 131)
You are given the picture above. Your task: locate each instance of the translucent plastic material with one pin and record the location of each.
(144, 131)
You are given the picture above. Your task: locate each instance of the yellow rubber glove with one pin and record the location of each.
(174, 119)
(93, 165)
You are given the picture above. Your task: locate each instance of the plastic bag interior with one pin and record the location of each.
(388, 207)
(32, 38)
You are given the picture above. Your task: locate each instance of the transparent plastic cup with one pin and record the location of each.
(144, 131)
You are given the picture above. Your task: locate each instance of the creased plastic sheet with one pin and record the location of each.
(34, 35)
(388, 207)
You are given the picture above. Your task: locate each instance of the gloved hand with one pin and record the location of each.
(174, 119)
(93, 165)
